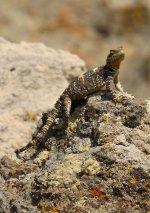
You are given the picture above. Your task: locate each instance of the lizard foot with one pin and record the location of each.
(120, 98)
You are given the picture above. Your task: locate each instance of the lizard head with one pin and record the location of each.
(115, 57)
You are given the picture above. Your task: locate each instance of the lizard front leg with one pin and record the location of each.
(118, 84)
(109, 87)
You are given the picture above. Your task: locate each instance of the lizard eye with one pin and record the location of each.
(113, 52)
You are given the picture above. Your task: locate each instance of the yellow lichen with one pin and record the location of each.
(105, 117)
(54, 210)
(133, 180)
(30, 116)
(130, 170)
(91, 166)
(123, 205)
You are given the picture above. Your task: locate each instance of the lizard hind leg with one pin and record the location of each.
(66, 110)
(40, 136)
(47, 123)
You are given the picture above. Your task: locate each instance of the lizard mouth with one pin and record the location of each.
(122, 54)
(119, 56)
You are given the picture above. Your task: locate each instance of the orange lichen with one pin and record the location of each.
(54, 210)
(146, 182)
(97, 192)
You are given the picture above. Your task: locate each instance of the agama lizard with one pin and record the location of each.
(90, 82)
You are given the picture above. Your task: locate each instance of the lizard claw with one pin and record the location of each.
(121, 98)
(116, 98)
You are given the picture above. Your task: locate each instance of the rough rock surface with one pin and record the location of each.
(104, 169)
(30, 76)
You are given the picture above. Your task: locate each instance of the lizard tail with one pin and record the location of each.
(30, 144)
(51, 116)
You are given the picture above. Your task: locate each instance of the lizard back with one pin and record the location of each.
(91, 81)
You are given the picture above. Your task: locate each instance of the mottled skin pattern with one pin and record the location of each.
(90, 82)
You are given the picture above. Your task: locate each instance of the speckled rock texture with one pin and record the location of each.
(32, 77)
(104, 168)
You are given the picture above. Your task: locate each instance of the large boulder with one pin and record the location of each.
(104, 168)
(32, 77)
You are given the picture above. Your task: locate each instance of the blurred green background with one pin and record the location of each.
(89, 29)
